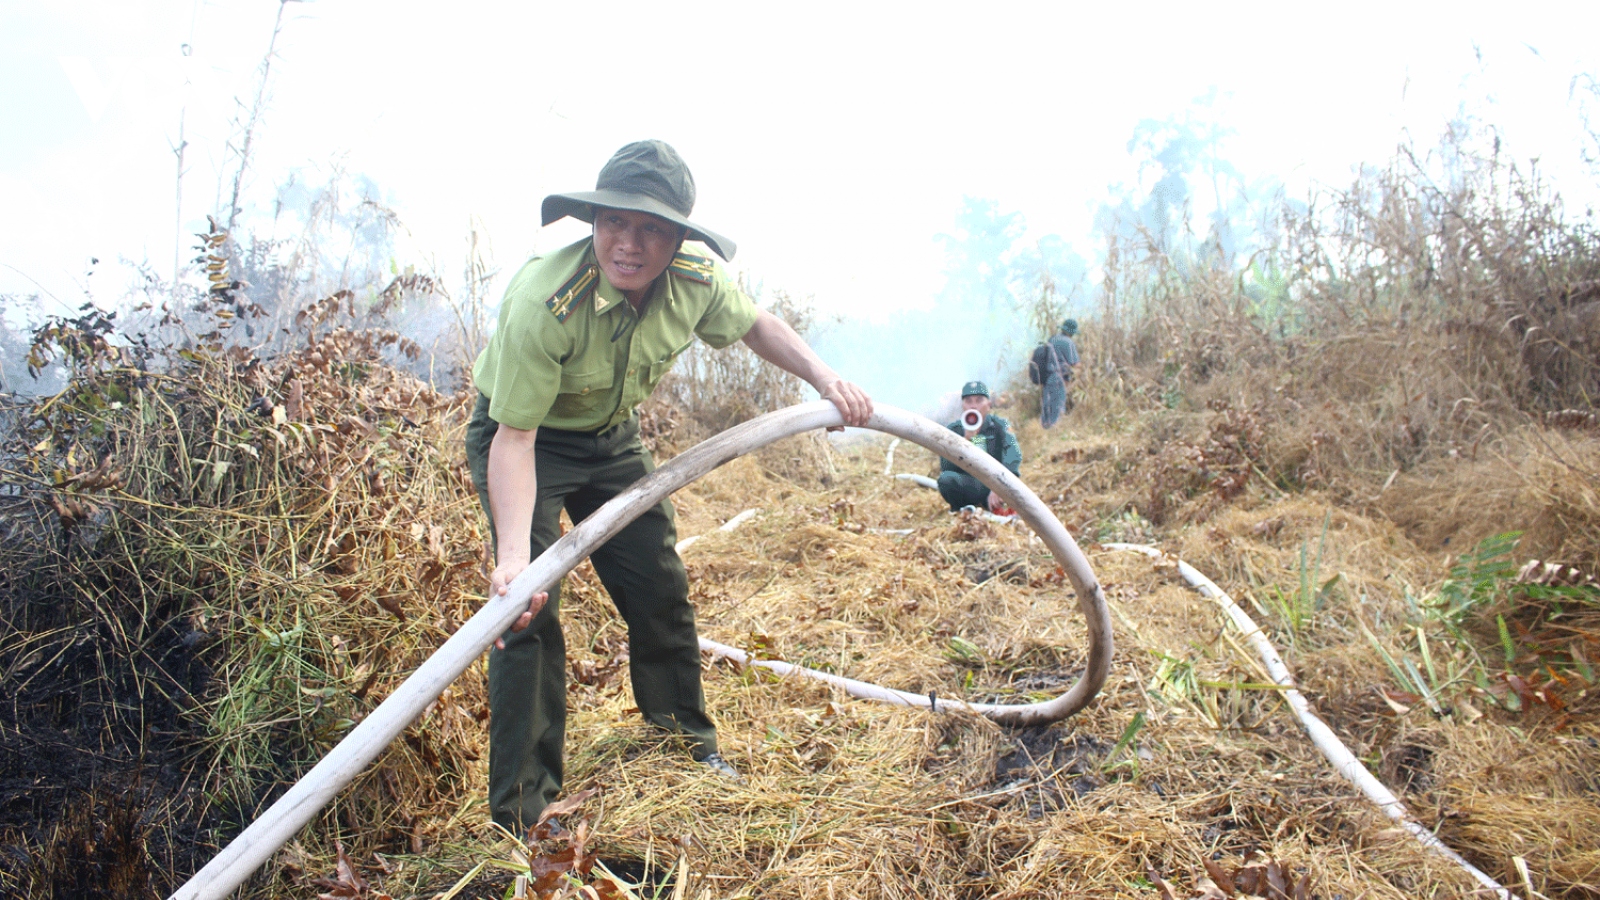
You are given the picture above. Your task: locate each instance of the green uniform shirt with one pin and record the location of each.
(571, 353)
(994, 438)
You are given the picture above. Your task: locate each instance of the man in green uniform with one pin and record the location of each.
(993, 435)
(584, 335)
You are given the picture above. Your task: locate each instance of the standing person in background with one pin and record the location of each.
(585, 334)
(993, 435)
(1056, 370)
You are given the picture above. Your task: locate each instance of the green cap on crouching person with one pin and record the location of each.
(974, 389)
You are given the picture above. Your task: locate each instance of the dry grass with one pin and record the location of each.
(212, 568)
(844, 798)
(850, 799)
(1541, 481)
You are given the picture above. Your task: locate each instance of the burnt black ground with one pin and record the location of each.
(1042, 759)
(98, 760)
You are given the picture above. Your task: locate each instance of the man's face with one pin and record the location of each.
(976, 401)
(633, 248)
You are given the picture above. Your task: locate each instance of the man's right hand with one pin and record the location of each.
(500, 584)
(853, 403)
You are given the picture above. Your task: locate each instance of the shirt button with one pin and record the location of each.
(584, 391)
(630, 372)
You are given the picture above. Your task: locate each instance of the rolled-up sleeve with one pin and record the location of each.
(729, 315)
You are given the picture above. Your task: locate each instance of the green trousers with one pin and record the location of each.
(643, 574)
(961, 489)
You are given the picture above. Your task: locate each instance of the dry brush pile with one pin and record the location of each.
(214, 563)
(1439, 310)
(1422, 371)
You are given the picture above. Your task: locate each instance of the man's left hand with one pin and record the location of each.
(853, 403)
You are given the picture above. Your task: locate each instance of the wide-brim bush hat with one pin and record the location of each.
(1069, 327)
(645, 176)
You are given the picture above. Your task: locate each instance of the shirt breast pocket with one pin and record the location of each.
(582, 383)
(658, 370)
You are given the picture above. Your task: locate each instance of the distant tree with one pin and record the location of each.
(1182, 173)
(979, 256)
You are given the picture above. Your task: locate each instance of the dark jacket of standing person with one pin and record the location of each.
(1053, 386)
(1067, 352)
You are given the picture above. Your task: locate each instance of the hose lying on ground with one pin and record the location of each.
(230, 867)
(925, 481)
(729, 525)
(1321, 735)
(920, 480)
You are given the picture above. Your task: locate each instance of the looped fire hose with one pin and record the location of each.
(230, 867)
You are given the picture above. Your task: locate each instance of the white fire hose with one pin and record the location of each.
(1323, 737)
(256, 844)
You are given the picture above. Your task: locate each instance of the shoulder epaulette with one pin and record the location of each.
(698, 269)
(578, 288)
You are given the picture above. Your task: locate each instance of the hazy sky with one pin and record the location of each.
(831, 140)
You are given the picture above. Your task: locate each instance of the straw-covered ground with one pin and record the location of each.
(217, 555)
(1189, 756)
(279, 565)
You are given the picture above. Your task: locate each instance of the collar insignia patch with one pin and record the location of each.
(577, 288)
(698, 269)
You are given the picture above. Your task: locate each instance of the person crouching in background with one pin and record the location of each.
(993, 435)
